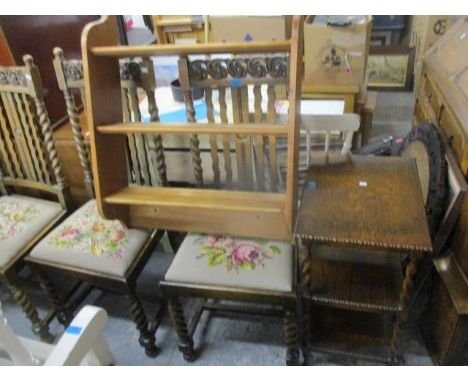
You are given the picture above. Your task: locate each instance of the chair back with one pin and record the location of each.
(146, 160)
(341, 126)
(29, 159)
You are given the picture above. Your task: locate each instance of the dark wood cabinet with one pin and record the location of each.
(445, 324)
(442, 99)
(37, 36)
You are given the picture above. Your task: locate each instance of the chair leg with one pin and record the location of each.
(40, 328)
(292, 343)
(63, 315)
(147, 338)
(185, 340)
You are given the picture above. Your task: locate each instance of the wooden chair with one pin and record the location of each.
(319, 135)
(146, 162)
(87, 247)
(29, 166)
(265, 266)
(345, 125)
(81, 344)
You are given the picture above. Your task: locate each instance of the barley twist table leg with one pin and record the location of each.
(306, 285)
(401, 316)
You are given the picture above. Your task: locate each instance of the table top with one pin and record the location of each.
(374, 202)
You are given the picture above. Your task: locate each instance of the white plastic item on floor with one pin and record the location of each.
(82, 343)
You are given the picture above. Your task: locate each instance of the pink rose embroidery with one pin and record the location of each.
(211, 240)
(246, 255)
(117, 255)
(92, 235)
(117, 235)
(15, 216)
(69, 233)
(245, 252)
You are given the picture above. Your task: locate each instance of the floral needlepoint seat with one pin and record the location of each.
(233, 262)
(21, 219)
(87, 241)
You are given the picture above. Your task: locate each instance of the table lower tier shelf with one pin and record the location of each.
(355, 279)
(343, 333)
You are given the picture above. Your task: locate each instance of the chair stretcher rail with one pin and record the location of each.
(194, 128)
(164, 50)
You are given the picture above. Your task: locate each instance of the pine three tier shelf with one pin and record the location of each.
(204, 208)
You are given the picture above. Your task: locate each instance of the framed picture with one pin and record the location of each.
(457, 189)
(390, 67)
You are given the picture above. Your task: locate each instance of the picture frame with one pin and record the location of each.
(457, 188)
(390, 67)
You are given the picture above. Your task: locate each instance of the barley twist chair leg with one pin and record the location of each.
(63, 315)
(185, 340)
(40, 328)
(147, 338)
(292, 342)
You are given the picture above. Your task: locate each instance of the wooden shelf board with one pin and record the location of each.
(352, 334)
(205, 211)
(356, 279)
(339, 344)
(183, 21)
(209, 48)
(200, 198)
(194, 128)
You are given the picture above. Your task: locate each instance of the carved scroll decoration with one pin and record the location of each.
(73, 69)
(238, 68)
(13, 76)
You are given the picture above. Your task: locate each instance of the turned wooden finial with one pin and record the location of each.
(58, 52)
(28, 60)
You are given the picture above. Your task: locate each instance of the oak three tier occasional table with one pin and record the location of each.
(363, 228)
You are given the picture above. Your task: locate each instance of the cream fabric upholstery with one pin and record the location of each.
(233, 262)
(21, 219)
(87, 241)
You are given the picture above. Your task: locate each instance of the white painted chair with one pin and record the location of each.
(81, 344)
(338, 130)
(346, 124)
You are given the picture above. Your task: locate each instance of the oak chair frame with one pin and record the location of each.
(30, 165)
(143, 160)
(243, 213)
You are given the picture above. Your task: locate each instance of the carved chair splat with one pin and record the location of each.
(242, 78)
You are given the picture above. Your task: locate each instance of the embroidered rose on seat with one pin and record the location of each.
(88, 233)
(69, 233)
(15, 216)
(237, 255)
